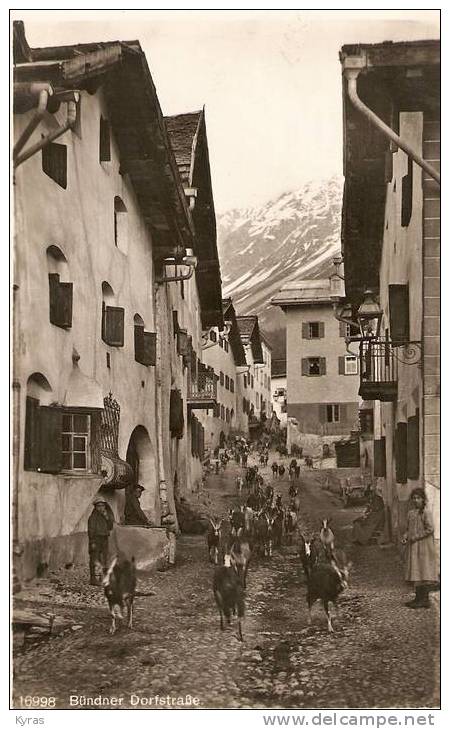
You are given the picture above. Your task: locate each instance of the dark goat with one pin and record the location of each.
(229, 594)
(119, 583)
(240, 554)
(325, 582)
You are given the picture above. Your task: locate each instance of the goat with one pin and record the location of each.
(305, 555)
(214, 540)
(326, 536)
(119, 583)
(281, 470)
(274, 469)
(309, 462)
(325, 582)
(241, 553)
(239, 484)
(229, 594)
(290, 524)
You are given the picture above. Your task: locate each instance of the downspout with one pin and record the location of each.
(351, 75)
(71, 118)
(44, 95)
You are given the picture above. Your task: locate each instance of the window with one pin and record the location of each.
(54, 163)
(75, 442)
(120, 225)
(113, 318)
(221, 378)
(257, 399)
(144, 344)
(313, 330)
(252, 382)
(347, 330)
(105, 141)
(332, 413)
(231, 384)
(407, 195)
(245, 381)
(313, 366)
(348, 365)
(227, 382)
(222, 412)
(60, 292)
(226, 345)
(220, 342)
(399, 312)
(227, 415)
(213, 335)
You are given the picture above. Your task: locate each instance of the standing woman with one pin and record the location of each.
(421, 559)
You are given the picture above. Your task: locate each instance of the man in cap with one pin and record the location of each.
(134, 516)
(100, 523)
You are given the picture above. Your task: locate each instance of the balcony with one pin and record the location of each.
(202, 390)
(379, 371)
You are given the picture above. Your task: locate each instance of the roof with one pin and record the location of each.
(265, 339)
(250, 335)
(234, 337)
(305, 293)
(278, 368)
(189, 143)
(393, 77)
(136, 118)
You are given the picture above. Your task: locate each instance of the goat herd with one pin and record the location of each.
(260, 523)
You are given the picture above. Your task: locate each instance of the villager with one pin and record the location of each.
(100, 523)
(366, 526)
(421, 559)
(134, 516)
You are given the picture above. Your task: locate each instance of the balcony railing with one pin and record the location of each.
(202, 390)
(379, 371)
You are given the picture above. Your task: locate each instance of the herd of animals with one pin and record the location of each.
(252, 529)
(258, 525)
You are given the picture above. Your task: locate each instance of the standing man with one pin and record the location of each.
(100, 523)
(134, 516)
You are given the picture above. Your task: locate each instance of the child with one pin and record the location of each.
(421, 561)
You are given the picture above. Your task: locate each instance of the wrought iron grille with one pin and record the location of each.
(203, 387)
(110, 426)
(378, 363)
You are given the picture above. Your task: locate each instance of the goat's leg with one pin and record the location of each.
(130, 614)
(327, 611)
(221, 620)
(112, 629)
(310, 601)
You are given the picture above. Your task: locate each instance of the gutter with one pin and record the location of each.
(352, 69)
(44, 91)
(70, 121)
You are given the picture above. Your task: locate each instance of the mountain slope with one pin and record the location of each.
(291, 238)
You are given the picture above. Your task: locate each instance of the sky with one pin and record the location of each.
(270, 81)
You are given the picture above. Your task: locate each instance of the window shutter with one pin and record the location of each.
(50, 439)
(342, 329)
(182, 342)
(305, 330)
(341, 365)
(31, 445)
(407, 192)
(149, 349)
(379, 457)
(342, 411)
(105, 142)
(54, 162)
(322, 412)
(401, 437)
(414, 447)
(138, 342)
(96, 425)
(113, 330)
(399, 312)
(323, 366)
(176, 327)
(305, 366)
(61, 296)
(176, 417)
(321, 329)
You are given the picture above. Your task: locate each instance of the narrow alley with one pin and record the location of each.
(380, 655)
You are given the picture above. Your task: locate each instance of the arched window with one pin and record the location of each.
(113, 318)
(144, 343)
(60, 290)
(120, 225)
(41, 425)
(104, 141)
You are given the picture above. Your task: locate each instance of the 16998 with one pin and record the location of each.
(37, 702)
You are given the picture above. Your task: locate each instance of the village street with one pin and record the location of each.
(381, 654)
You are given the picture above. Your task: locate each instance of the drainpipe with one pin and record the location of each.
(71, 118)
(351, 75)
(44, 94)
(166, 507)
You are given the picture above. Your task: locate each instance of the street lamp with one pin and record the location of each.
(369, 316)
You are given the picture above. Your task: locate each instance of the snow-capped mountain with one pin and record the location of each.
(291, 238)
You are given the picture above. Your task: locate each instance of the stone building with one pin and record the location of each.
(322, 377)
(391, 245)
(279, 390)
(100, 212)
(256, 394)
(224, 353)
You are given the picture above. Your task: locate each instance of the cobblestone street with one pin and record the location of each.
(381, 654)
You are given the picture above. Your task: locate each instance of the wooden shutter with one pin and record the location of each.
(176, 327)
(105, 141)
(113, 329)
(176, 417)
(61, 296)
(341, 365)
(31, 445)
(138, 342)
(322, 412)
(342, 410)
(96, 433)
(414, 446)
(182, 342)
(399, 312)
(149, 350)
(323, 366)
(321, 329)
(50, 439)
(305, 330)
(379, 457)
(401, 440)
(388, 165)
(342, 329)
(54, 162)
(407, 194)
(305, 366)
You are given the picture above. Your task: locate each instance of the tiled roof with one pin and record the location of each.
(182, 130)
(246, 325)
(304, 292)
